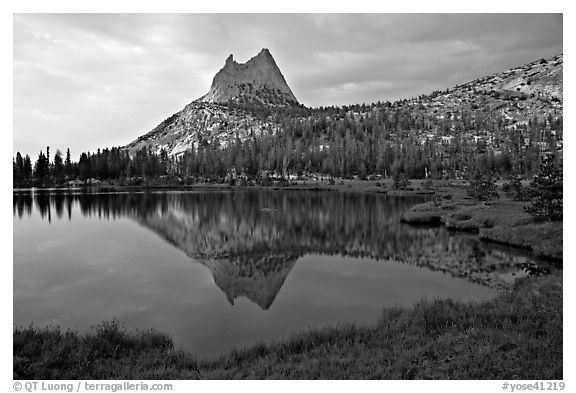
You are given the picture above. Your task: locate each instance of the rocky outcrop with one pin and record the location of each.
(259, 80)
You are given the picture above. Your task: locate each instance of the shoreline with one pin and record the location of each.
(516, 335)
(371, 186)
(501, 221)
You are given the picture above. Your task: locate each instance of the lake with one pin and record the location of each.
(218, 270)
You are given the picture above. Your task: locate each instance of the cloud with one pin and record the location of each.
(94, 80)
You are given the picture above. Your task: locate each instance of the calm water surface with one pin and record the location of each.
(218, 270)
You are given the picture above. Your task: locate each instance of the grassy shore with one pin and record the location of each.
(544, 239)
(517, 335)
(503, 221)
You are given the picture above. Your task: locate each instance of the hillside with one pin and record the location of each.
(201, 121)
(502, 123)
(520, 94)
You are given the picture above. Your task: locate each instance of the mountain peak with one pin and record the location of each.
(264, 52)
(258, 80)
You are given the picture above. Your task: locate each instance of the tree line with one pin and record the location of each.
(363, 141)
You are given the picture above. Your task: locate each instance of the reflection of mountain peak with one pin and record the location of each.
(258, 278)
(257, 274)
(215, 226)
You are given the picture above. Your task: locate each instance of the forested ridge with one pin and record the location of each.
(456, 133)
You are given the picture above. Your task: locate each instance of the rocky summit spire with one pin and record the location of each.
(257, 80)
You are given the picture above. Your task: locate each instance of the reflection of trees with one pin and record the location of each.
(22, 203)
(219, 225)
(244, 236)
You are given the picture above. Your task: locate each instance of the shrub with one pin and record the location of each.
(515, 191)
(400, 182)
(482, 187)
(428, 184)
(265, 180)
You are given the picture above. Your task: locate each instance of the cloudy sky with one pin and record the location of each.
(97, 80)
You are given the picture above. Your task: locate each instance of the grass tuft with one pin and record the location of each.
(517, 335)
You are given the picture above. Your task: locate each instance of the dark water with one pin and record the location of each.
(217, 270)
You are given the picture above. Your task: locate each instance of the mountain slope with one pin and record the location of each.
(201, 121)
(521, 93)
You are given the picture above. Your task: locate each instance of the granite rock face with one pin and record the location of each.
(259, 79)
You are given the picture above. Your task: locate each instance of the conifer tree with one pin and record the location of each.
(18, 170)
(27, 169)
(58, 167)
(546, 191)
(68, 164)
